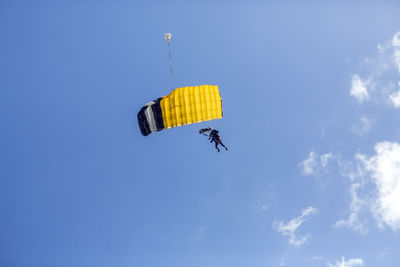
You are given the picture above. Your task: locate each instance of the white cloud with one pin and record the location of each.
(396, 58)
(356, 262)
(314, 164)
(356, 205)
(396, 40)
(289, 229)
(395, 99)
(382, 71)
(391, 52)
(375, 188)
(381, 48)
(396, 45)
(359, 88)
(384, 168)
(324, 159)
(308, 164)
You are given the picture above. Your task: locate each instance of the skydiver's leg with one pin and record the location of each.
(223, 145)
(216, 146)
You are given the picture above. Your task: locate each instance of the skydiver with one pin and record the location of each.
(214, 137)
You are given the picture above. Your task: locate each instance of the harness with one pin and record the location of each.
(214, 136)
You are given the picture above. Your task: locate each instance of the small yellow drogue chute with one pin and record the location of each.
(167, 37)
(185, 105)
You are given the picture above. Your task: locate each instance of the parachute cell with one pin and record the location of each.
(182, 106)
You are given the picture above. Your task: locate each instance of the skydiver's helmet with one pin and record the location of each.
(214, 132)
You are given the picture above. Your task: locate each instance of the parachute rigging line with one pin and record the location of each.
(167, 37)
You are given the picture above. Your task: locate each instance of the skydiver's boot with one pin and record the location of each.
(223, 146)
(218, 149)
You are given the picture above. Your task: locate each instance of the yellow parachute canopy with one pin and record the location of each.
(182, 106)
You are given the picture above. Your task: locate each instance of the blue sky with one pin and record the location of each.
(311, 99)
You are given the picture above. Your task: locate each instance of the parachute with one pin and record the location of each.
(167, 37)
(185, 105)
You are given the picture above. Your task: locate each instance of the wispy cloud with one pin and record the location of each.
(395, 98)
(356, 262)
(308, 165)
(314, 163)
(389, 53)
(265, 200)
(396, 45)
(359, 88)
(383, 74)
(396, 40)
(289, 229)
(397, 59)
(265, 207)
(356, 205)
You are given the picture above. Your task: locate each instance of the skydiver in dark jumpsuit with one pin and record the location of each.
(214, 137)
